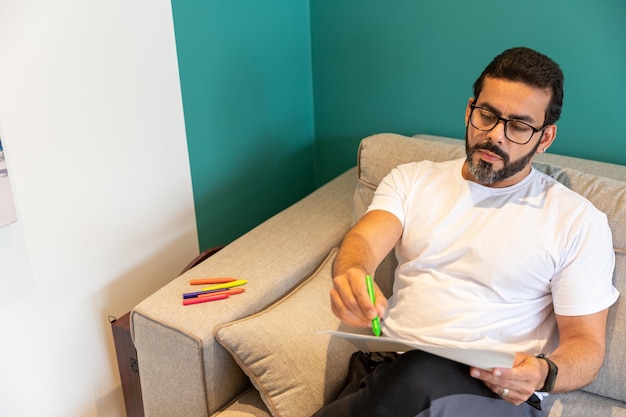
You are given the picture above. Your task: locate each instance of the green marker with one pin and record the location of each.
(370, 291)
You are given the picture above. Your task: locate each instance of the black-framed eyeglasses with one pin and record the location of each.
(516, 131)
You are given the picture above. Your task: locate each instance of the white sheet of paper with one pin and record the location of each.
(484, 359)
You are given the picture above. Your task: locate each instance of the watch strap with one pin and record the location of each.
(553, 371)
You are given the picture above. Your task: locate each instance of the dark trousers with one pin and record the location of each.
(418, 384)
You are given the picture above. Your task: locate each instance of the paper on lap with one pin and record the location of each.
(484, 359)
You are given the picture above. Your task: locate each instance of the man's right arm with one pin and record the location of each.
(362, 249)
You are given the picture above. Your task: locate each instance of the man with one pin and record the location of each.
(492, 254)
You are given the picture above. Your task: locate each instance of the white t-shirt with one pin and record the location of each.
(485, 268)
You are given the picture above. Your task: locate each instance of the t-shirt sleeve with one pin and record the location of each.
(584, 281)
(391, 194)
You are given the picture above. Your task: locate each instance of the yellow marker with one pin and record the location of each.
(237, 283)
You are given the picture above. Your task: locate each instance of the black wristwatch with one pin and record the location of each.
(553, 371)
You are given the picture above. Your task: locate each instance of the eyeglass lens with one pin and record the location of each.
(515, 130)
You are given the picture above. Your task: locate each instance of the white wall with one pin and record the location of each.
(92, 125)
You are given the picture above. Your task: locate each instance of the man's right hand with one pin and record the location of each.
(362, 249)
(350, 301)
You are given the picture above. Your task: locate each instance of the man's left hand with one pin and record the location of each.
(518, 384)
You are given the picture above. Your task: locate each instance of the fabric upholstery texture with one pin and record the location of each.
(295, 369)
(582, 404)
(175, 344)
(249, 404)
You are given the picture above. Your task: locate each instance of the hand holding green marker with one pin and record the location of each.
(370, 291)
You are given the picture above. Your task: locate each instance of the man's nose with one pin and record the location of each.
(498, 133)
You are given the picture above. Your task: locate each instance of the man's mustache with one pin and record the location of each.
(491, 147)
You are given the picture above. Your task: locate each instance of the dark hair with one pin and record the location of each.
(532, 68)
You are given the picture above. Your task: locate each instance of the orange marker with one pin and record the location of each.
(210, 281)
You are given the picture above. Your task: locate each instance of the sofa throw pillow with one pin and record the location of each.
(295, 369)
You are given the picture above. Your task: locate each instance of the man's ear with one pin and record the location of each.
(549, 135)
(468, 110)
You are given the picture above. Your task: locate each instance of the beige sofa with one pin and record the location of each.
(259, 354)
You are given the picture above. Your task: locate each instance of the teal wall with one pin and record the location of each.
(277, 94)
(246, 79)
(407, 66)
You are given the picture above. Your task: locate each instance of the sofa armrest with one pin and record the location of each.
(183, 369)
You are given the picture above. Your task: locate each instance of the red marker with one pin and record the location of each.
(197, 300)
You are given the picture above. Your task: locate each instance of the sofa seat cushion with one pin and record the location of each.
(248, 404)
(581, 403)
(295, 369)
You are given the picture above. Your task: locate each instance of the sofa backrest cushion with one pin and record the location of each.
(380, 153)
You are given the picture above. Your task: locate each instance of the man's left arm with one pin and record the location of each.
(579, 356)
(581, 350)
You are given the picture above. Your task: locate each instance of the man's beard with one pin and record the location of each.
(484, 172)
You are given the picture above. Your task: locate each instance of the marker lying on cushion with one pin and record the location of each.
(215, 288)
(212, 292)
(231, 291)
(198, 300)
(232, 284)
(209, 281)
